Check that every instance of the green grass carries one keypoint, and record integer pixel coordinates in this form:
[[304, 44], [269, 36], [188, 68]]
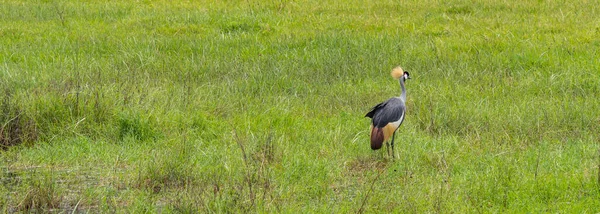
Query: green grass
[[252, 106]]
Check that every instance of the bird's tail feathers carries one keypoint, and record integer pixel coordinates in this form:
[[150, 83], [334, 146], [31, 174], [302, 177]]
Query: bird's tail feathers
[[376, 138]]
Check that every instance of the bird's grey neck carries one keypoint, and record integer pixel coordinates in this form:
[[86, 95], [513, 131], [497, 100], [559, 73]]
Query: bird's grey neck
[[403, 94]]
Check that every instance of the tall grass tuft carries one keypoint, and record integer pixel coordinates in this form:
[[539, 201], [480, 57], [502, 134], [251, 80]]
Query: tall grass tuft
[[137, 127], [16, 127], [42, 195]]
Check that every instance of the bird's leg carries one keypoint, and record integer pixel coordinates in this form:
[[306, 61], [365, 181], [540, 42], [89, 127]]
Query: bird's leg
[[393, 153], [387, 146]]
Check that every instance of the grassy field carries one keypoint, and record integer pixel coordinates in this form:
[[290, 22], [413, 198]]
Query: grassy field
[[254, 106]]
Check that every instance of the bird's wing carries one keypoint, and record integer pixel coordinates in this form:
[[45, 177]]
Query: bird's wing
[[389, 111], [374, 109]]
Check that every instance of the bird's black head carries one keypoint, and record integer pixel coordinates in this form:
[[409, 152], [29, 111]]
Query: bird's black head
[[406, 75]]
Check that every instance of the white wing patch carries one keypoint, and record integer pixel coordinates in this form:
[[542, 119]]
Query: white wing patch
[[399, 121]]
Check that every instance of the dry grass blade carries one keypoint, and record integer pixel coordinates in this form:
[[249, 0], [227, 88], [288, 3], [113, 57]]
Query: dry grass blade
[[364, 201]]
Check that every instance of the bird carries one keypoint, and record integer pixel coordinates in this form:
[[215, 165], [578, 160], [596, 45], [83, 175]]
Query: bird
[[387, 116]]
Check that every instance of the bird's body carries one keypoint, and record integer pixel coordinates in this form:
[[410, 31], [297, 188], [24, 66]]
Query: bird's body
[[389, 115], [386, 118]]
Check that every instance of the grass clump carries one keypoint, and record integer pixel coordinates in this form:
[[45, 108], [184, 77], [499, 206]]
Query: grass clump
[[137, 127], [172, 170], [15, 125], [164, 175], [42, 195]]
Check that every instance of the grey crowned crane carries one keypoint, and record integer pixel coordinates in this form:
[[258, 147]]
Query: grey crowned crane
[[388, 116]]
